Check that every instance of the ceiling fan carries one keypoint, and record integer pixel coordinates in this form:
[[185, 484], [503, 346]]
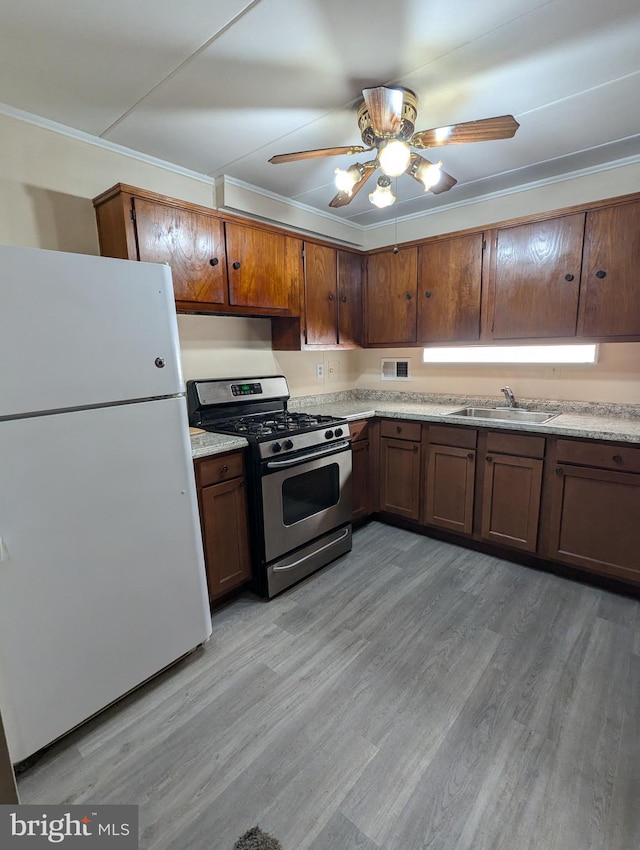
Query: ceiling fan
[[386, 119]]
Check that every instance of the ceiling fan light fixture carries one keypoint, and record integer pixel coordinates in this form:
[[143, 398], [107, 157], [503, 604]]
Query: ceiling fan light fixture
[[429, 174], [394, 157], [382, 196], [347, 179]]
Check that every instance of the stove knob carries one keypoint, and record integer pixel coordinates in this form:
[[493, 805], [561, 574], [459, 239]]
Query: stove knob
[[328, 434], [338, 432], [287, 444], [276, 447]]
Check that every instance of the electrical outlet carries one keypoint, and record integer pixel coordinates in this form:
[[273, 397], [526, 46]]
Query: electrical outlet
[[320, 371]]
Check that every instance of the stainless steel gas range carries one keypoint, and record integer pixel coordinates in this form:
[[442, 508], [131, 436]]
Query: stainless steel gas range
[[299, 475]]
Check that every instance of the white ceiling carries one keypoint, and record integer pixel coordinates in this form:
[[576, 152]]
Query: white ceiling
[[219, 87]]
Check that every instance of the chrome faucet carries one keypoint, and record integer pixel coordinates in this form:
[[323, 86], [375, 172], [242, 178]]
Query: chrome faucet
[[509, 396]]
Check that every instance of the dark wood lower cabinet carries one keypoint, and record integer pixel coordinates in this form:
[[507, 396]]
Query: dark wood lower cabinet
[[595, 520], [511, 501], [223, 519], [400, 477], [361, 479], [449, 488]]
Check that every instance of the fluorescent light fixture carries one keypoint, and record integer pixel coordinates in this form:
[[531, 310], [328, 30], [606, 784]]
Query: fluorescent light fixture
[[512, 354]]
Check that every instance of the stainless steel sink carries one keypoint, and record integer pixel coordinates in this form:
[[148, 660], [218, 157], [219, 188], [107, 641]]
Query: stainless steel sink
[[505, 414]]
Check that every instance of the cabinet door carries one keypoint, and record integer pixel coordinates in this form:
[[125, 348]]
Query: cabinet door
[[537, 278], [360, 480], [321, 288], [450, 487], [392, 281], [449, 286], [349, 299], [511, 501], [256, 268], [400, 477], [610, 296], [225, 533], [191, 243], [594, 520]]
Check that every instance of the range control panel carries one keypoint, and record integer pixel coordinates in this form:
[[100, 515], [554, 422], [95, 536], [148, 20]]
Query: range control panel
[[246, 389]]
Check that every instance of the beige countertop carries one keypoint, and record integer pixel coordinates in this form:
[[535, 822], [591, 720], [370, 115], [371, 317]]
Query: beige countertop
[[589, 426]]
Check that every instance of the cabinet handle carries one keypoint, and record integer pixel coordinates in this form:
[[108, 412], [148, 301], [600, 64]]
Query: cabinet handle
[[427, 294], [489, 459], [559, 471], [214, 261], [330, 296], [408, 296], [471, 455], [568, 277], [224, 469], [236, 265], [398, 429], [344, 299], [617, 458], [601, 273]]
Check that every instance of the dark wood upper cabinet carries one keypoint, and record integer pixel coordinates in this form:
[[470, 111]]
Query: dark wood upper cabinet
[[350, 307], [536, 279], [191, 243], [392, 282], [610, 298], [321, 294], [449, 289], [256, 268]]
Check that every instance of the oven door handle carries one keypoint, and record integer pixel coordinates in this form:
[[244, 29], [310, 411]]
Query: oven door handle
[[298, 459], [315, 552]]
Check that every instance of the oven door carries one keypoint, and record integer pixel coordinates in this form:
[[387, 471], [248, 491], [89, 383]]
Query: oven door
[[305, 497]]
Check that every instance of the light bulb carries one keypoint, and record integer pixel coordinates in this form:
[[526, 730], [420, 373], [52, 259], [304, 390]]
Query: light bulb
[[382, 196], [394, 158], [346, 180], [429, 174]]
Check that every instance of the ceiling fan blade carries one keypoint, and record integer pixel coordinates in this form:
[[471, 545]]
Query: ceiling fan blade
[[484, 130], [445, 181], [344, 198], [385, 109], [293, 157]]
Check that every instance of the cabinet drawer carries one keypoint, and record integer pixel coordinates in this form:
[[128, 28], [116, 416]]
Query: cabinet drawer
[[212, 470], [599, 454], [446, 435], [401, 430], [515, 444], [359, 430]]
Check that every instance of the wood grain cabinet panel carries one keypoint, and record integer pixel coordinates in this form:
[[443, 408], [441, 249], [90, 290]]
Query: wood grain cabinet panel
[[223, 520], [321, 294], [610, 294], [391, 312], [536, 279], [400, 477], [350, 306], [511, 501], [449, 488], [449, 289], [256, 268], [361, 479]]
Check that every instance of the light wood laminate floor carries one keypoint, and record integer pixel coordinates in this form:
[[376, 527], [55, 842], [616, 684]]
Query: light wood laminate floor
[[411, 695]]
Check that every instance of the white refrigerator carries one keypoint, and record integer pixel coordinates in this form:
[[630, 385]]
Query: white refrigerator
[[102, 581]]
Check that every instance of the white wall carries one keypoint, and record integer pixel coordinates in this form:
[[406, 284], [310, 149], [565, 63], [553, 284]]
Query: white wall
[[47, 181]]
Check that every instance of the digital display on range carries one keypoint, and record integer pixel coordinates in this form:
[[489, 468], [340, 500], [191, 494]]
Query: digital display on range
[[246, 389]]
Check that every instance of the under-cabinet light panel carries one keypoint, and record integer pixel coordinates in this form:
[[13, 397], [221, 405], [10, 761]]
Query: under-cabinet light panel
[[513, 354]]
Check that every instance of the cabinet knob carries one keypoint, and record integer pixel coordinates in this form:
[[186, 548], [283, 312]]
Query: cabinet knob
[[617, 458], [330, 296], [415, 448], [471, 455], [559, 471], [214, 261], [224, 469], [398, 429], [427, 294], [489, 459], [601, 273], [568, 277], [344, 299], [408, 296], [236, 265]]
